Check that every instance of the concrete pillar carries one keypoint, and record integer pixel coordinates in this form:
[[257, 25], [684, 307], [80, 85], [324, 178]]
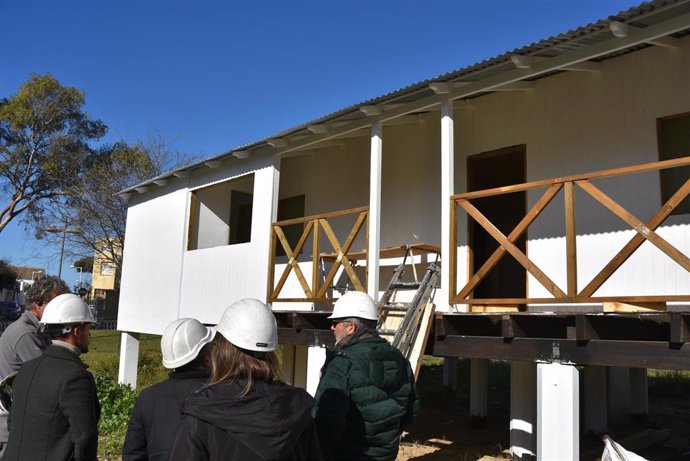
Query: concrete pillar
[[479, 392], [299, 376], [618, 392], [558, 412], [595, 405], [450, 372], [523, 410], [374, 210], [129, 359], [316, 356], [639, 398], [447, 189], [288, 363]]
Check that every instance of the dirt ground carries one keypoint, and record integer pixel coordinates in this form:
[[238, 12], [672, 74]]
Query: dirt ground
[[442, 430]]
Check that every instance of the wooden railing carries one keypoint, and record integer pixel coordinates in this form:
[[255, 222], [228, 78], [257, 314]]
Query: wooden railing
[[507, 243], [317, 290]]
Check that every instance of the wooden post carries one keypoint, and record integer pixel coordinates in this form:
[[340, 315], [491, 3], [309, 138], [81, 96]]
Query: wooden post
[[448, 244], [374, 210], [570, 239], [315, 259]]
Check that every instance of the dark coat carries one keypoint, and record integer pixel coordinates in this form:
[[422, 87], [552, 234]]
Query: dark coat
[[156, 413], [365, 397], [271, 422], [54, 411]]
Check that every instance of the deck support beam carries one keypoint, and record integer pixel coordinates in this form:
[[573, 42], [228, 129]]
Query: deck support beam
[[447, 189], [129, 359], [450, 373], [596, 420], [618, 392], [374, 210], [523, 410], [479, 392], [287, 364], [639, 397], [558, 412]]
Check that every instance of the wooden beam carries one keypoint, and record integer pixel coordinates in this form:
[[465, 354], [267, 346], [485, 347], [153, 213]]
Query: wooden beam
[[514, 251], [570, 239], [637, 240], [641, 168], [680, 331], [584, 330], [627, 217], [520, 229]]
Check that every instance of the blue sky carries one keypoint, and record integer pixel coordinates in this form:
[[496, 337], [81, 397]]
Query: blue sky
[[212, 75]]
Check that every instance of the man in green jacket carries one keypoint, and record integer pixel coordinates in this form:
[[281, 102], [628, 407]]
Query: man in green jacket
[[366, 395]]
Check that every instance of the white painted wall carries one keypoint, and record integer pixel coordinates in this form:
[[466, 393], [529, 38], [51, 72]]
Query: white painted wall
[[152, 262]]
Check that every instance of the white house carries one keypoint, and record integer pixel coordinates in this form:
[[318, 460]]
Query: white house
[[592, 126]]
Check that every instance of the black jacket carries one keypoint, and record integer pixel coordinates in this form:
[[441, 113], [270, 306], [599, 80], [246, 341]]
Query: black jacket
[[158, 410], [271, 422], [54, 411]]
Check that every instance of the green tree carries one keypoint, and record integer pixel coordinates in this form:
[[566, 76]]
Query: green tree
[[91, 208], [85, 263], [44, 146]]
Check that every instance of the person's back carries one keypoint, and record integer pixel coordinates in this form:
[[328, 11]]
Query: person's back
[[158, 409], [40, 428], [246, 412], [21, 341], [271, 422], [366, 395], [374, 382]]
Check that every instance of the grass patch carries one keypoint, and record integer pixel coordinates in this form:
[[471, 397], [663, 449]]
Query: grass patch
[[118, 400]]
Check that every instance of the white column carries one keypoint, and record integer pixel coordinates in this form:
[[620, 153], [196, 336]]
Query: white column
[[265, 211], [299, 377], [129, 359], [618, 392], [639, 398], [523, 410], [479, 391], [316, 356], [288, 363], [558, 412], [374, 210], [450, 371], [447, 189], [596, 419]]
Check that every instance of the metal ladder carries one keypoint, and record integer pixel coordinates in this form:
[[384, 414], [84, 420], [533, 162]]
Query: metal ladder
[[405, 335]]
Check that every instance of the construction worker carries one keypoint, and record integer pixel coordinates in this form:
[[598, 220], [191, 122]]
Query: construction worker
[[246, 412], [55, 409], [366, 395], [185, 345], [25, 338]]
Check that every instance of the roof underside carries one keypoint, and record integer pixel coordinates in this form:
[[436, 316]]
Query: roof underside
[[649, 15]]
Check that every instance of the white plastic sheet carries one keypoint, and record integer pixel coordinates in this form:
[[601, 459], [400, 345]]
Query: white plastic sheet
[[615, 452]]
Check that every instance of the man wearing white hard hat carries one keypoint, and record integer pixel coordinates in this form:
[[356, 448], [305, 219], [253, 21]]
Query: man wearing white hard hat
[[55, 409], [246, 413], [185, 346], [366, 395]]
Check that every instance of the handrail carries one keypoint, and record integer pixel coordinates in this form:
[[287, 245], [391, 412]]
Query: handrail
[[645, 232], [315, 224]]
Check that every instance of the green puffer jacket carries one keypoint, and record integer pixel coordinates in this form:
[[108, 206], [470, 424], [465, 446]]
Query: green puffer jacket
[[365, 397]]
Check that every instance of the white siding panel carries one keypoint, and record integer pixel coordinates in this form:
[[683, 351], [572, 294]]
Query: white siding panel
[[216, 277], [152, 263]]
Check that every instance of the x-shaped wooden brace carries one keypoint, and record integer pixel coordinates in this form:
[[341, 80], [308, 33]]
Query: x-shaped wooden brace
[[644, 232], [507, 244], [341, 258], [520, 229], [292, 259]]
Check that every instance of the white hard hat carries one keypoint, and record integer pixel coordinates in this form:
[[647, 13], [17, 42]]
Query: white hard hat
[[355, 304], [182, 340], [67, 309], [249, 324]]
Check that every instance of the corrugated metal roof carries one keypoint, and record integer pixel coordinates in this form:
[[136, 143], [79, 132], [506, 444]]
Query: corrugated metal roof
[[644, 15]]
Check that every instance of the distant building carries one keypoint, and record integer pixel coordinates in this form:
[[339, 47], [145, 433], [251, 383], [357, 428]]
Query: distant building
[[104, 286]]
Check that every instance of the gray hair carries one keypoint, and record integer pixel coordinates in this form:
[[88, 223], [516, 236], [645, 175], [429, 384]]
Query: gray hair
[[364, 326], [43, 290]]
